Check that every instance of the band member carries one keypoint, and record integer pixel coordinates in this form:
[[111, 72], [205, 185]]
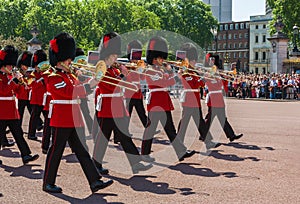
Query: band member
[[9, 115], [66, 120], [22, 92], [38, 89], [46, 70], [216, 108], [190, 95], [159, 104], [111, 111], [84, 101]]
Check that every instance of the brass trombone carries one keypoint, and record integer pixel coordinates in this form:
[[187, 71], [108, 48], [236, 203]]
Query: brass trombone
[[99, 72], [140, 68]]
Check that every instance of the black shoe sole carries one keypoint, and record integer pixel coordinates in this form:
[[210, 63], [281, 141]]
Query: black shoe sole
[[106, 184]]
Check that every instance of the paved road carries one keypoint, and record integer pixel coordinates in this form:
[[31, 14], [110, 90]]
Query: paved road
[[261, 167]]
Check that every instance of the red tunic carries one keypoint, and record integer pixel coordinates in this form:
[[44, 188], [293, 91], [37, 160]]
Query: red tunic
[[65, 86], [110, 107], [159, 100], [38, 88], [215, 93], [8, 110], [22, 90], [191, 83], [134, 78]]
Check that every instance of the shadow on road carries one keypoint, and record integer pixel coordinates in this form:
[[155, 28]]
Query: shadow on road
[[93, 198], [25, 171], [140, 183], [230, 157], [246, 146]]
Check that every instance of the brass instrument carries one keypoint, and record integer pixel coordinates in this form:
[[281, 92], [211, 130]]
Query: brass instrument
[[99, 71], [140, 68]]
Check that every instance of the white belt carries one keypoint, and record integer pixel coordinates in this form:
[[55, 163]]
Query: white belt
[[135, 82], [100, 96], [7, 98], [148, 94], [45, 97], [212, 92], [183, 94], [52, 102]]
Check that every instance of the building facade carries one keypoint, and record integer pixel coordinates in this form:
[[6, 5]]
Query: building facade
[[221, 9], [232, 45], [259, 45]]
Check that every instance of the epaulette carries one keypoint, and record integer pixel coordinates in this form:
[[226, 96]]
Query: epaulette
[[54, 74]]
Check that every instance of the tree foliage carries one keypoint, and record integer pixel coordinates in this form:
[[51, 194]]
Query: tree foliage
[[88, 20], [289, 11]]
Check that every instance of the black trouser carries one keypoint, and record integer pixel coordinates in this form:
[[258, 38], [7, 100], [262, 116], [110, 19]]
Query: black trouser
[[21, 108], [86, 114], [46, 133], [17, 132], [187, 114], [220, 114], [74, 137], [34, 118], [107, 125], [95, 127], [139, 107], [166, 120]]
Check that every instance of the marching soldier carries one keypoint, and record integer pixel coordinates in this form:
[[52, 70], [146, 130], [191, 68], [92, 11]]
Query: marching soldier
[[9, 116], [38, 89], [190, 95], [111, 111], [216, 108], [66, 120], [159, 104]]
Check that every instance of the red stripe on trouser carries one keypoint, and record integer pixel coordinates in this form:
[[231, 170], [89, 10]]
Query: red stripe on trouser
[[50, 155]]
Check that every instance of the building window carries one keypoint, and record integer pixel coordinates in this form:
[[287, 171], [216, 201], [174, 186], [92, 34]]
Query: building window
[[240, 45], [229, 36], [242, 25], [256, 27], [240, 54], [219, 37], [219, 46], [229, 46], [224, 36], [256, 39], [264, 56], [247, 25], [221, 27], [264, 26], [246, 45], [235, 36], [235, 45], [256, 55], [231, 26], [237, 26], [246, 55], [264, 38], [234, 55], [224, 46], [226, 26], [246, 35], [240, 35]]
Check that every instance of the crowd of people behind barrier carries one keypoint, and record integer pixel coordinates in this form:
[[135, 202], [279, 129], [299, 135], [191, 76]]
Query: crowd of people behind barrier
[[272, 86]]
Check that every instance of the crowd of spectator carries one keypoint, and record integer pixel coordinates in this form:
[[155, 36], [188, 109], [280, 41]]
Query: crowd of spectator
[[272, 86]]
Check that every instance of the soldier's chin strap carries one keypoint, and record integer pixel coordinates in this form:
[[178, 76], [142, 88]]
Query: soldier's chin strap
[[68, 68]]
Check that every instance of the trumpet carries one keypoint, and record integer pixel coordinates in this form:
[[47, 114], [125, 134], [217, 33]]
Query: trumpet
[[99, 72], [140, 68]]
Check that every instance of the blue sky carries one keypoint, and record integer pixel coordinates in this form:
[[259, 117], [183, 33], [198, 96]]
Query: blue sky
[[243, 9]]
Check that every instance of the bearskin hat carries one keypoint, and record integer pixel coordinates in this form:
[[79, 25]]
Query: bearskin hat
[[62, 47], [191, 51], [24, 59], [110, 44], [135, 44], [8, 55], [38, 57], [157, 47]]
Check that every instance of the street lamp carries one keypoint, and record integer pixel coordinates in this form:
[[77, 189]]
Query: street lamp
[[214, 31], [295, 33]]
